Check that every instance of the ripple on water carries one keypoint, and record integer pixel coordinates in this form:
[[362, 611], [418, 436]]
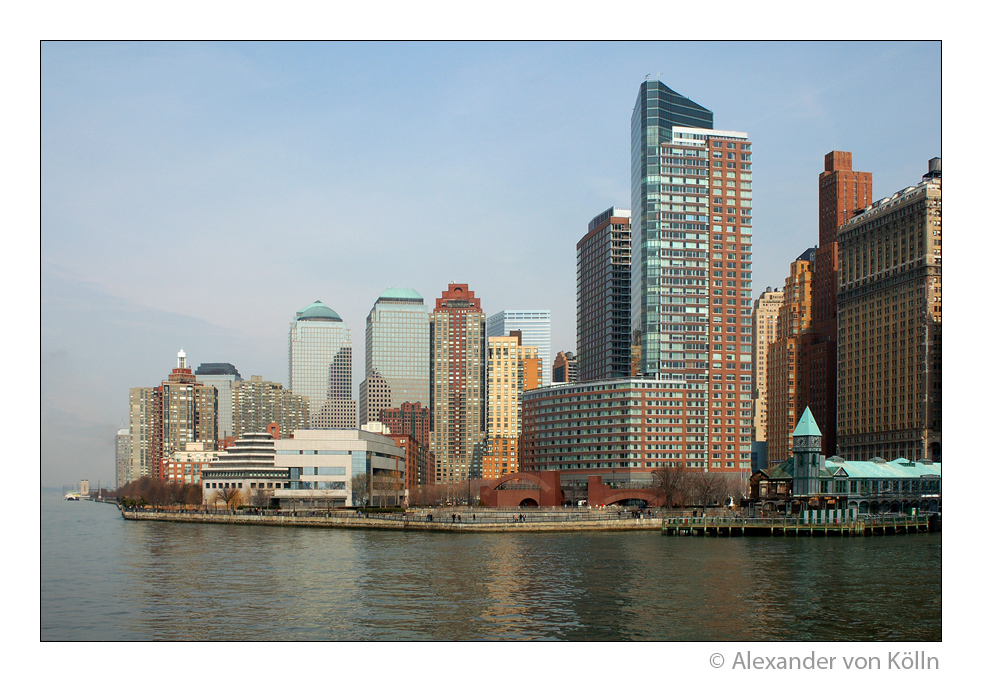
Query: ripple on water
[[103, 578]]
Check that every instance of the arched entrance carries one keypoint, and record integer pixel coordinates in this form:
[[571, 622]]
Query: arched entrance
[[524, 489], [630, 502]]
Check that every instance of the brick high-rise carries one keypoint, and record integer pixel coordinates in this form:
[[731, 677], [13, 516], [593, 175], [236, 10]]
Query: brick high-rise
[[457, 383], [691, 264], [842, 192], [409, 418], [184, 411]]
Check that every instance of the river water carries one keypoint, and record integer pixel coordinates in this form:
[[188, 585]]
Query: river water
[[103, 578]]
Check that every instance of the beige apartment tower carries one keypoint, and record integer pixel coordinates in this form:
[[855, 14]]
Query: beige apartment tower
[[764, 331], [257, 403], [889, 326], [512, 369]]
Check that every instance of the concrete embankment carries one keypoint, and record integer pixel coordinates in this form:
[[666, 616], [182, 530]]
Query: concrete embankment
[[493, 522]]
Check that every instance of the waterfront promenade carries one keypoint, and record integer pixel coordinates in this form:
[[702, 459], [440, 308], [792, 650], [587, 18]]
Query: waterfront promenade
[[523, 520], [446, 520]]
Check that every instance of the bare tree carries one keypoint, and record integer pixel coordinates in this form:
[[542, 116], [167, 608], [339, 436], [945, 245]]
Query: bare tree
[[174, 493], [387, 485], [359, 489], [735, 486], [155, 493], [193, 494], [261, 497], [229, 496], [674, 484], [709, 487]]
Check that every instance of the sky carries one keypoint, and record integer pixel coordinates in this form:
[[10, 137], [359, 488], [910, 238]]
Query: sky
[[197, 195]]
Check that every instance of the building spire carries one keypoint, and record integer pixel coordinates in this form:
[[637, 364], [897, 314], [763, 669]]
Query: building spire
[[182, 359]]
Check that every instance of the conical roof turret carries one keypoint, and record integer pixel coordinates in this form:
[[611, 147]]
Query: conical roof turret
[[807, 425]]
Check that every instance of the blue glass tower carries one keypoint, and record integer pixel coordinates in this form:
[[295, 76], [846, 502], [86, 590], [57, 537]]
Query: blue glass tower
[[662, 213]]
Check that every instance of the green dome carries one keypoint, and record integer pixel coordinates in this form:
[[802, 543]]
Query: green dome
[[318, 311]]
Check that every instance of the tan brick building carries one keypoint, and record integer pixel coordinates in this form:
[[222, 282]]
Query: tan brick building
[[784, 358], [512, 369], [889, 326], [764, 331]]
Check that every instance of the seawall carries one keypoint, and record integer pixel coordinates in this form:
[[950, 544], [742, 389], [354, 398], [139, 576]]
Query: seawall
[[419, 521]]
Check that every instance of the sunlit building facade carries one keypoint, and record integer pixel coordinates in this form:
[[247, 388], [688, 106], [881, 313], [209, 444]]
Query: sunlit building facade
[[565, 368], [184, 411], [622, 429], [794, 320], [142, 424], [512, 368], [457, 383], [889, 353], [764, 332], [842, 192]]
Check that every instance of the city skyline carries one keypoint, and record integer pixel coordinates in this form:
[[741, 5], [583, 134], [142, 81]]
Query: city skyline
[[263, 161]]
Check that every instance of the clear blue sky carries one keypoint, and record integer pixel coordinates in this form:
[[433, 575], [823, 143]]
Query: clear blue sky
[[196, 195]]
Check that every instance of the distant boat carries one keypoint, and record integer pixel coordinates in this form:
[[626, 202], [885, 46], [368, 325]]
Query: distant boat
[[72, 497]]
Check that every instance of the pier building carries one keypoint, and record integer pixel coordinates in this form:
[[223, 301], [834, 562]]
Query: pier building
[[809, 480]]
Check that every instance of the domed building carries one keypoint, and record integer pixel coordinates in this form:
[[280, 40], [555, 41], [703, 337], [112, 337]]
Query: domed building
[[320, 366]]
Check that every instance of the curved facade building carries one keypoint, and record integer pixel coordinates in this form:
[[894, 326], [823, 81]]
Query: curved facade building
[[320, 366], [248, 465]]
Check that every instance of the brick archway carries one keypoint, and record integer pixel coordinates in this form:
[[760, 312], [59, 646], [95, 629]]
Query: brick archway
[[600, 494], [544, 490], [650, 497]]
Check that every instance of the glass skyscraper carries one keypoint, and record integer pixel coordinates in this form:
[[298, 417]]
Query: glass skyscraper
[[666, 216], [320, 366], [536, 328], [691, 265], [397, 354]]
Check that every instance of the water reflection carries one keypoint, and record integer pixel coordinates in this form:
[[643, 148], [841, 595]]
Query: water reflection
[[103, 578]]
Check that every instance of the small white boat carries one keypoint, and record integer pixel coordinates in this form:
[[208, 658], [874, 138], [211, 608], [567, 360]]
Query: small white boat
[[72, 497]]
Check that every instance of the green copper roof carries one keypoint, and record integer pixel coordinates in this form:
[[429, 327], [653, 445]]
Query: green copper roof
[[806, 425], [402, 294], [318, 311]]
